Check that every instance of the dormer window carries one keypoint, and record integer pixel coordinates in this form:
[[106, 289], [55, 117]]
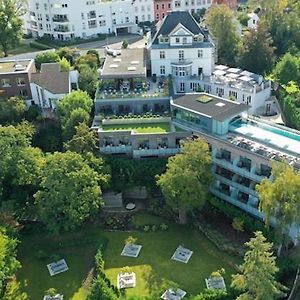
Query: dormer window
[[163, 40]]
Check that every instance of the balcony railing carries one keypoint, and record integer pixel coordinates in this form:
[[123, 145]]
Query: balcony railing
[[60, 20], [62, 29]]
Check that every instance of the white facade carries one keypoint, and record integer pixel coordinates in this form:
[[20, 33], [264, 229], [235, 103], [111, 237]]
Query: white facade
[[66, 19], [44, 98], [181, 54], [192, 6], [143, 10], [253, 20]]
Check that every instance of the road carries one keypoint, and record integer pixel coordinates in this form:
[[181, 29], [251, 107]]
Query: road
[[114, 42]]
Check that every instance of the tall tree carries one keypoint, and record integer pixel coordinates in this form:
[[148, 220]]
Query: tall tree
[[185, 184], [84, 141], [287, 69], [69, 192], [75, 100], [220, 21], [280, 198], [10, 23], [78, 116], [88, 79], [8, 262], [46, 57], [101, 290], [256, 279], [257, 53], [12, 110]]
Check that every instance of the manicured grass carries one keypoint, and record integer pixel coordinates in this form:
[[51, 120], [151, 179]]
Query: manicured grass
[[140, 128], [154, 268]]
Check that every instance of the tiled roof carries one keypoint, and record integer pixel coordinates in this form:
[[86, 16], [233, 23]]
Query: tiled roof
[[52, 79]]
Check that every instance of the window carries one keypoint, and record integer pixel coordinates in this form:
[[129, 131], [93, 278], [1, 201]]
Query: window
[[200, 53], [157, 16], [5, 82], [233, 94], [162, 70], [177, 40], [162, 54], [114, 21], [248, 99], [177, 3], [163, 6], [169, 5], [20, 81], [181, 55], [24, 93], [157, 6], [102, 23], [184, 40], [92, 24], [163, 15], [220, 91]]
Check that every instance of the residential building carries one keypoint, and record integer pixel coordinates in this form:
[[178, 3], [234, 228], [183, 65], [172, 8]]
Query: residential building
[[162, 8], [243, 147], [51, 84], [232, 83], [143, 11], [230, 3], [15, 76], [253, 20], [181, 48], [67, 19], [194, 7], [184, 50]]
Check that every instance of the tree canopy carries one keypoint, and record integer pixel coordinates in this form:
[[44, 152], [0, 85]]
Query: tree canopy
[[12, 110], [10, 23], [280, 198], [257, 53], [46, 57], [69, 191], [256, 279], [220, 21], [185, 184]]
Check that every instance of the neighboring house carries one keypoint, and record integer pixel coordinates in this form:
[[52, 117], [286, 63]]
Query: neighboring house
[[161, 8], [253, 20], [70, 19], [51, 84], [143, 11], [15, 76], [230, 3], [181, 48], [194, 7]]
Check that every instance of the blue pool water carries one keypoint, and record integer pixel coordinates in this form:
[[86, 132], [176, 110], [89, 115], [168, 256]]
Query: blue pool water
[[270, 135]]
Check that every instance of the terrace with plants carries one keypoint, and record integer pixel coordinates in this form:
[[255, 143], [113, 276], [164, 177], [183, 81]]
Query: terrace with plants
[[139, 88]]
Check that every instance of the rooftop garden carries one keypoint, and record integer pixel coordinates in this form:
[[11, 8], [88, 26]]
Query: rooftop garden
[[140, 127]]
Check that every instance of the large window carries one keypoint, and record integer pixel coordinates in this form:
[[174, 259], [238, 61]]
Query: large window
[[200, 53], [5, 82], [162, 70], [162, 54], [20, 81]]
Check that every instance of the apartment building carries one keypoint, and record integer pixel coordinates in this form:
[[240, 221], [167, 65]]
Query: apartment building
[[181, 48], [194, 7], [243, 147], [15, 78], [143, 11], [67, 19], [162, 8]]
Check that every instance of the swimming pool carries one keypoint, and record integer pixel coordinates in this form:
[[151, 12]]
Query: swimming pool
[[270, 135]]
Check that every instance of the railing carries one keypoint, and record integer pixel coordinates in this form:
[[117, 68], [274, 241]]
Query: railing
[[62, 29], [153, 152], [116, 149], [60, 20]]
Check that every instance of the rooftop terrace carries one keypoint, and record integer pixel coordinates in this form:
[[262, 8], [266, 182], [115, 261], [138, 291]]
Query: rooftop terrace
[[13, 66]]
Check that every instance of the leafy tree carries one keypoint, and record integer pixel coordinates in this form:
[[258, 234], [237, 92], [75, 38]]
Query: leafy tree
[[186, 182], [69, 54], [83, 141], [13, 291], [88, 79], [280, 198], [287, 69], [125, 44], [10, 23], [96, 54], [256, 279], [72, 101], [90, 59], [243, 18], [69, 192], [101, 290], [46, 57], [220, 21], [33, 113], [64, 65], [8, 262], [78, 116], [257, 53], [12, 110]]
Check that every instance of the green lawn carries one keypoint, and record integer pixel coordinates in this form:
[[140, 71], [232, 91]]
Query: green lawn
[[140, 128], [154, 268]]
